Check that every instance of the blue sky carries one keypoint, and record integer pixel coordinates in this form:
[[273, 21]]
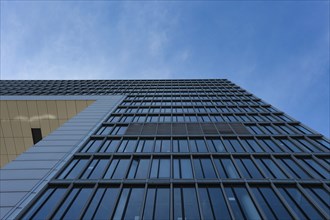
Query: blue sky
[[278, 50]]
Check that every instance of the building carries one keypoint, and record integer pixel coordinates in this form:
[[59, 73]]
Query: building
[[156, 149]]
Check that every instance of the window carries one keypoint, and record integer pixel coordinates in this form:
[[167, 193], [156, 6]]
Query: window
[[248, 168], [92, 146], [198, 145], [213, 203], [182, 169], [180, 146], [226, 168], [157, 204], [104, 130], [73, 203], [36, 135], [145, 145], [185, 204], [270, 203], [293, 169], [73, 169], [95, 169], [160, 168], [299, 204], [117, 169], [109, 146], [163, 145], [240, 201], [45, 204], [204, 168], [102, 204], [139, 169], [127, 146], [270, 168]]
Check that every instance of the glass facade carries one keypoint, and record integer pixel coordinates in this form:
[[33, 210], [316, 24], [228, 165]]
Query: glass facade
[[185, 149]]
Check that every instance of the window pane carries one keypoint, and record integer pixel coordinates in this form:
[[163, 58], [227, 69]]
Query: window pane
[[66, 203], [119, 211], [130, 147], [315, 169], [143, 169], [148, 146], [201, 146], [74, 210], [133, 208], [270, 203], [241, 202], [177, 209], [162, 206], [198, 169], [183, 146], [154, 168], [45, 204], [219, 145], [111, 169], [229, 168], [320, 196], [219, 205], [110, 146], [186, 169], [164, 168], [299, 203], [208, 168], [270, 169], [102, 204], [236, 145], [92, 146], [292, 168], [99, 169], [149, 204], [89, 169], [133, 168], [248, 169], [190, 204], [205, 203], [121, 168], [166, 146], [77, 169]]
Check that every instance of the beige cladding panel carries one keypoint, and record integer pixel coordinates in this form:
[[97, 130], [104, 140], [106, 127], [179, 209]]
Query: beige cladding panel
[[4, 110], [22, 108], [71, 108], [61, 110], [12, 109], [32, 108], [42, 108], [51, 107], [16, 128], [6, 128], [18, 117]]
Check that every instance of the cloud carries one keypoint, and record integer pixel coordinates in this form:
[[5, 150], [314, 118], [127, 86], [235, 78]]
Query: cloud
[[35, 118], [278, 53]]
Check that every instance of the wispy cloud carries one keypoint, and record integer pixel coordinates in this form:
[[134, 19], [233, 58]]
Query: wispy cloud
[[277, 50]]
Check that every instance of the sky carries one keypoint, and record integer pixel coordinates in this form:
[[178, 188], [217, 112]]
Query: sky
[[278, 50]]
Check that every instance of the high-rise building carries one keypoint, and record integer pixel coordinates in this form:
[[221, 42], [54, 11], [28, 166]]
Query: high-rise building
[[156, 149]]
